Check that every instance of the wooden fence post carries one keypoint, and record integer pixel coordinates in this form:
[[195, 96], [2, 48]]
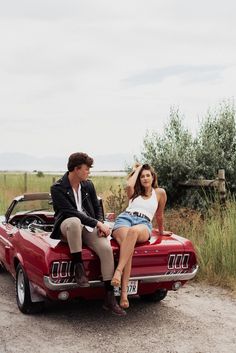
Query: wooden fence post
[[218, 184], [53, 180], [25, 182], [221, 185]]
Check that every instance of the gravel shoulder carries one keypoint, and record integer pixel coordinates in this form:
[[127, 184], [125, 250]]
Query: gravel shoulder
[[196, 319]]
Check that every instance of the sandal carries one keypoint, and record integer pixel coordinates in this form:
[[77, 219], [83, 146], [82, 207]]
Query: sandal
[[116, 279], [124, 302]]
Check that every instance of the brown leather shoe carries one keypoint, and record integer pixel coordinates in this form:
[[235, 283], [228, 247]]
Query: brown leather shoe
[[111, 304], [80, 275]]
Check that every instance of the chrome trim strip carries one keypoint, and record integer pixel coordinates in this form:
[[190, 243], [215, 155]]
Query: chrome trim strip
[[171, 262], [178, 261], [64, 270], [66, 286], [152, 279], [6, 241], [168, 278], [55, 269], [185, 260]]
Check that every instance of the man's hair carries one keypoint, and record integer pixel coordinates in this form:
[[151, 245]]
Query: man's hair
[[77, 159]]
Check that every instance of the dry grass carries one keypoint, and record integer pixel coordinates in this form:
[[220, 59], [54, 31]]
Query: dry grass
[[12, 185], [214, 237], [213, 234]]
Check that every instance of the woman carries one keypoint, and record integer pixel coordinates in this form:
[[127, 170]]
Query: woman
[[134, 224]]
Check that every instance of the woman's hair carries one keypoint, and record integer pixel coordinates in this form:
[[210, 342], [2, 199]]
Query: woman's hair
[[138, 188]]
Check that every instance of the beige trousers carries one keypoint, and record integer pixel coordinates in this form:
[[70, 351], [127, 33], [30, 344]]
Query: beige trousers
[[75, 234]]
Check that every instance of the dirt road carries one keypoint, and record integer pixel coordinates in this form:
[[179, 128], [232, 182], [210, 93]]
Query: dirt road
[[196, 319]]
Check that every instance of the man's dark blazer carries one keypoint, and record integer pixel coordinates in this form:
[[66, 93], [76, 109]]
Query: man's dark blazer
[[65, 206]]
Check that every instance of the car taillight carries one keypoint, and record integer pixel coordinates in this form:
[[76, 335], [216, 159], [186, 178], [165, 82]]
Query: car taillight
[[178, 261], [62, 269]]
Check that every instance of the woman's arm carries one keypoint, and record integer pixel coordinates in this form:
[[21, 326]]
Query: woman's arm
[[162, 198], [132, 180]]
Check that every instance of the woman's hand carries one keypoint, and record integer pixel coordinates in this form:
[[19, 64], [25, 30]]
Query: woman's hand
[[165, 232], [136, 166]]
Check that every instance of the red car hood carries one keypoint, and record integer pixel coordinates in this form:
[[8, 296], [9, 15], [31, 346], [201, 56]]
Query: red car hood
[[157, 244]]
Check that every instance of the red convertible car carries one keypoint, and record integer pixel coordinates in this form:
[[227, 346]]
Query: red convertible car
[[43, 269]]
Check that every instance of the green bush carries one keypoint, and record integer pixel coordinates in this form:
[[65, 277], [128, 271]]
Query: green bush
[[178, 156], [216, 144], [40, 174], [116, 201], [172, 155]]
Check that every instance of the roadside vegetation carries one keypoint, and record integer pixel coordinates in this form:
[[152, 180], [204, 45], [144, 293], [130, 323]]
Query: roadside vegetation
[[197, 213], [193, 213], [110, 188], [177, 155], [213, 232]]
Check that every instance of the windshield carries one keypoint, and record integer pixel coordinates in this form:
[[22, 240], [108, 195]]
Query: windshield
[[32, 206]]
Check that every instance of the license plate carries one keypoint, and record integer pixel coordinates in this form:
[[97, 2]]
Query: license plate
[[132, 288]]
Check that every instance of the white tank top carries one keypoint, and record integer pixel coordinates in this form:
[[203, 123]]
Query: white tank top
[[147, 207]]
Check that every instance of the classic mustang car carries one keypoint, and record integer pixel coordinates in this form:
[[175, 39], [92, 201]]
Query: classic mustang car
[[43, 269]]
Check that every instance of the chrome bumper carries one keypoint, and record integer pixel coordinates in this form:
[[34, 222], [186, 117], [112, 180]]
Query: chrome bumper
[[172, 277]]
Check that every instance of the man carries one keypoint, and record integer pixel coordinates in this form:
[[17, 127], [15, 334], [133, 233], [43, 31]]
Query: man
[[78, 219]]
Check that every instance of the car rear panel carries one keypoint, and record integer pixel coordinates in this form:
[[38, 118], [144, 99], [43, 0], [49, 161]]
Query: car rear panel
[[160, 256]]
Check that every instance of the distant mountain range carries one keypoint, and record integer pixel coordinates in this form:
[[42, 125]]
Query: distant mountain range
[[25, 162]]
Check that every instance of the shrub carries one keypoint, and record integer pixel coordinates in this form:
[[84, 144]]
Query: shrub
[[40, 174], [116, 200], [216, 144], [172, 155], [177, 156]]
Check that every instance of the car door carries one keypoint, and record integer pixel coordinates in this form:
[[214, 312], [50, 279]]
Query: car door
[[7, 232]]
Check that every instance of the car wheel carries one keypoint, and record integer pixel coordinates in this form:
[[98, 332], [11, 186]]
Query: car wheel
[[157, 296], [23, 297]]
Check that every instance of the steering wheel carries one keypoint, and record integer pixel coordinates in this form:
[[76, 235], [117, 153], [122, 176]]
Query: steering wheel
[[25, 221]]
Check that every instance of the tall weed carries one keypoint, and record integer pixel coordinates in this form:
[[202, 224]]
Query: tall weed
[[214, 237]]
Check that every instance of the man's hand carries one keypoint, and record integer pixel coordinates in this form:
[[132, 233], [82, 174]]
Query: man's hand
[[103, 229], [101, 234]]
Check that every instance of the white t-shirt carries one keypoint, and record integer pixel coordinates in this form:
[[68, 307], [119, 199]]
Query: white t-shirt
[[147, 207], [78, 200]]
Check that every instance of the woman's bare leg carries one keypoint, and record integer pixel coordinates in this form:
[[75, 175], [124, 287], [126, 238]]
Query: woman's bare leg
[[120, 235], [124, 303], [135, 234]]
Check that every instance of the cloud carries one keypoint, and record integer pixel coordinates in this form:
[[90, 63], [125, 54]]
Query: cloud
[[39, 9], [189, 73], [95, 75]]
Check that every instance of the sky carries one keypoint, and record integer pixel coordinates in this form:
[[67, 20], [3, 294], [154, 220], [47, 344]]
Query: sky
[[96, 75]]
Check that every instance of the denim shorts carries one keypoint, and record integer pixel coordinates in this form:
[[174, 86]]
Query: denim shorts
[[127, 220]]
